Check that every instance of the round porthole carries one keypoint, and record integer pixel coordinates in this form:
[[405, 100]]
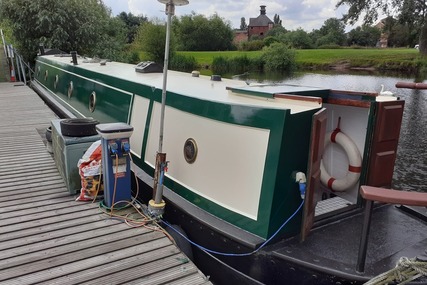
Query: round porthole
[[46, 74], [92, 102], [55, 83], [190, 150], [70, 89]]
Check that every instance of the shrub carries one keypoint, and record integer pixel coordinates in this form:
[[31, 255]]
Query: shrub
[[183, 63], [278, 57]]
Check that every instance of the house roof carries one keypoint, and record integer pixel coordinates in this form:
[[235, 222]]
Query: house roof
[[260, 21]]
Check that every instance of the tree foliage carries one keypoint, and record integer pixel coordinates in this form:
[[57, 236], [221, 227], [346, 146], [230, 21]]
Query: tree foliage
[[151, 38], [277, 21], [278, 57], [243, 25], [365, 35], [198, 33], [411, 13], [332, 32], [299, 39], [81, 25], [132, 23]]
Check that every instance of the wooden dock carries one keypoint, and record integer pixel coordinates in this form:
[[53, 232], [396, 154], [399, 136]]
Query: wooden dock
[[46, 237]]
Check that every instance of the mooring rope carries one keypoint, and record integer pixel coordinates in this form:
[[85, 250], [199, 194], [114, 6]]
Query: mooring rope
[[406, 270]]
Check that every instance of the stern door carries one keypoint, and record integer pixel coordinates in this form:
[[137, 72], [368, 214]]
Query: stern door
[[384, 143], [313, 170]]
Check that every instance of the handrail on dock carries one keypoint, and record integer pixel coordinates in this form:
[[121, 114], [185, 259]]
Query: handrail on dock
[[382, 195]]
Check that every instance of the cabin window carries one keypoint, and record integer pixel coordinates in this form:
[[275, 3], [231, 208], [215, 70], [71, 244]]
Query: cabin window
[[92, 102], [190, 150], [70, 89], [46, 74]]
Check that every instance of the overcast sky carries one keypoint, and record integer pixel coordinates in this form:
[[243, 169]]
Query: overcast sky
[[305, 14]]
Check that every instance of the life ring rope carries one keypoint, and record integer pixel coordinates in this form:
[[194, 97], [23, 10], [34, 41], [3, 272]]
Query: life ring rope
[[354, 167]]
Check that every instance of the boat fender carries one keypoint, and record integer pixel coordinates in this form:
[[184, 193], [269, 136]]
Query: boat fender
[[354, 167]]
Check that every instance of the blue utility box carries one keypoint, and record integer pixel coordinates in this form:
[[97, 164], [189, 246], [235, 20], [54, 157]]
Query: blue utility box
[[116, 162]]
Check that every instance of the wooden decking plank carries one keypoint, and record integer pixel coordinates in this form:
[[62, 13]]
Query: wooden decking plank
[[56, 182], [176, 274], [47, 214], [27, 192], [59, 257], [40, 174], [50, 235], [91, 268], [46, 237], [72, 222], [18, 207], [115, 265], [47, 221], [35, 199], [40, 209], [65, 246], [130, 274]]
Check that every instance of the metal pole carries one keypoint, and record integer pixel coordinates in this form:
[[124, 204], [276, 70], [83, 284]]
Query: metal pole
[[23, 70], [169, 11], [18, 67], [156, 205]]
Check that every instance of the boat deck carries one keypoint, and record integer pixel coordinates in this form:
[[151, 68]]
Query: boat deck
[[47, 237], [395, 233]]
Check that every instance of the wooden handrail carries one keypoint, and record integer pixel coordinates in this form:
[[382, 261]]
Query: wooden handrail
[[391, 196]]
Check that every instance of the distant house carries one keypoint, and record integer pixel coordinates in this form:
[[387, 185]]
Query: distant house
[[240, 36], [260, 25], [383, 41]]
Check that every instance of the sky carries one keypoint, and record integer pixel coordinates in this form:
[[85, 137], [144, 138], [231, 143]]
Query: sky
[[305, 14]]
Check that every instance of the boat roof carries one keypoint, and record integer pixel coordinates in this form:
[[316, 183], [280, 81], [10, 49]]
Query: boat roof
[[229, 91]]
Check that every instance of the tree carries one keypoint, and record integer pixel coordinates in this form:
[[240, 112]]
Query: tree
[[81, 25], [278, 57], [277, 21], [411, 12], [132, 23], [198, 33], [364, 36], [333, 32], [243, 25], [299, 39], [151, 38]]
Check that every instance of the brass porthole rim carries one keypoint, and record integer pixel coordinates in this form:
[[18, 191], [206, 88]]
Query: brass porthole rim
[[55, 83], [70, 89], [191, 159], [92, 102]]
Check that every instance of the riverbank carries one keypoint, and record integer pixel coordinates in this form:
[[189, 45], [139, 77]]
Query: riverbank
[[389, 59]]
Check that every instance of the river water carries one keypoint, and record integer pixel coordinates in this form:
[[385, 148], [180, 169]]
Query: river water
[[411, 164]]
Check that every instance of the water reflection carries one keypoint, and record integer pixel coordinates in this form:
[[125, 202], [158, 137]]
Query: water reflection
[[411, 164]]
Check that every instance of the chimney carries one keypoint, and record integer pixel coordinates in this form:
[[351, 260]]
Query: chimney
[[262, 9]]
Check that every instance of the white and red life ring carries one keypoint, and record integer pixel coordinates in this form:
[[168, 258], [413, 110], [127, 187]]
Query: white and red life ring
[[354, 167]]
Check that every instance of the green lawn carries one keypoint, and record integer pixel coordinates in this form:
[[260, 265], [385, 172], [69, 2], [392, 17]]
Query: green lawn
[[374, 57]]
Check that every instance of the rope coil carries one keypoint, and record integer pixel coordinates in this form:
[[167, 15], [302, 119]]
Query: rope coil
[[406, 270]]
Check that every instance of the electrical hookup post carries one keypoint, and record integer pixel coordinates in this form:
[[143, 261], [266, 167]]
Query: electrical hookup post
[[115, 142]]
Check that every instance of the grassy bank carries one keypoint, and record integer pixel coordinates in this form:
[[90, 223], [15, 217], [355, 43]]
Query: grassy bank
[[381, 59]]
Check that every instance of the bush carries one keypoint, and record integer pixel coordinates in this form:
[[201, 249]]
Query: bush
[[183, 63], [236, 65], [252, 45], [278, 57]]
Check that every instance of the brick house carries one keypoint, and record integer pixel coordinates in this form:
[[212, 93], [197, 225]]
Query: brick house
[[260, 25]]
